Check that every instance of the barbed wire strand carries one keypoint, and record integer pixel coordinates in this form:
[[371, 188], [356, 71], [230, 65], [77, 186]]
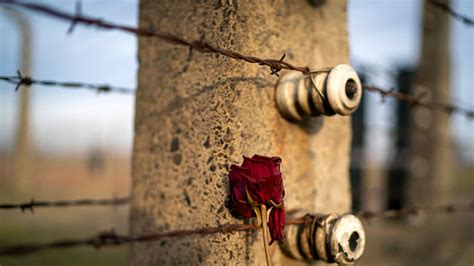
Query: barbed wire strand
[[20, 80], [418, 101], [32, 204], [413, 100], [116, 201], [275, 65], [449, 208], [456, 15], [370, 70], [111, 238]]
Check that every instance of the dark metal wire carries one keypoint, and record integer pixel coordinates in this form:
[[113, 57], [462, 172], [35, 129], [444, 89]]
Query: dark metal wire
[[275, 65], [456, 15], [415, 101], [418, 101], [32, 204], [110, 238], [20, 80], [410, 211]]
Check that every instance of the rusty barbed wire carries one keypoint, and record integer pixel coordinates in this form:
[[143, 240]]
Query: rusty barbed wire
[[275, 65], [368, 69], [410, 211], [456, 15], [32, 204], [415, 101], [111, 238], [20, 80], [418, 101], [116, 201], [398, 189]]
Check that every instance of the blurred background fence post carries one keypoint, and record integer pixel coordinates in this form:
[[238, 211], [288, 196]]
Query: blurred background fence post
[[23, 148], [198, 113], [431, 164]]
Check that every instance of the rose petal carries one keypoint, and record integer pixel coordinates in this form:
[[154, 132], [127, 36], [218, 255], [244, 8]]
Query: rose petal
[[270, 188], [272, 162], [276, 224], [238, 179], [258, 169]]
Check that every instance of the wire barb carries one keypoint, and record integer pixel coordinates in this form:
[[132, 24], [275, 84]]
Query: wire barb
[[30, 205], [110, 238], [275, 65], [78, 14], [28, 81], [448, 9]]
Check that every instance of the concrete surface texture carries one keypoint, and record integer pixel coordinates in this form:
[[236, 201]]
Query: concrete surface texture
[[196, 114]]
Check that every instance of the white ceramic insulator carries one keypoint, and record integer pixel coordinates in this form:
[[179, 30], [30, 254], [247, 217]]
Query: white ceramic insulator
[[336, 89], [329, 237], [321, 93], [287, 94], [343, 251]]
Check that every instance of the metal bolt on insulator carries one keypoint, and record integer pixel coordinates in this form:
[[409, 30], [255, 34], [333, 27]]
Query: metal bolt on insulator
[[335, 91], [327, 237]]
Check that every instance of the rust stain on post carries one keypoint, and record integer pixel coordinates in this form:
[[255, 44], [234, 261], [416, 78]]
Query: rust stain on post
[[196, 114]]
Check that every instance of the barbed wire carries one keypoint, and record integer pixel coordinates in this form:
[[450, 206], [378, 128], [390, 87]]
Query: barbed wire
[[20, 80], [275, 65], [116, 201], [418, 101], [415, 101], [456, 15], [32, 204], [371, 70], [411, 211], [202, 46], [398, 189], [111, 238]]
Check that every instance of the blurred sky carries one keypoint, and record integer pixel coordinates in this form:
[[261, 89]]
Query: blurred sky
[[383, 34]]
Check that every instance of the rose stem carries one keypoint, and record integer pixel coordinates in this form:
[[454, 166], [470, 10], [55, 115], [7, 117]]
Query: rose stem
[[263, 210]]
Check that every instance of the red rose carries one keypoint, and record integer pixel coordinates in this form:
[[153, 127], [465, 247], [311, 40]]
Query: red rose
[[258, 182]]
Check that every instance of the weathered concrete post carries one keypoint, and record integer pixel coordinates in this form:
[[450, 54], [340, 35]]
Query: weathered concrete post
[[198, 113]]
